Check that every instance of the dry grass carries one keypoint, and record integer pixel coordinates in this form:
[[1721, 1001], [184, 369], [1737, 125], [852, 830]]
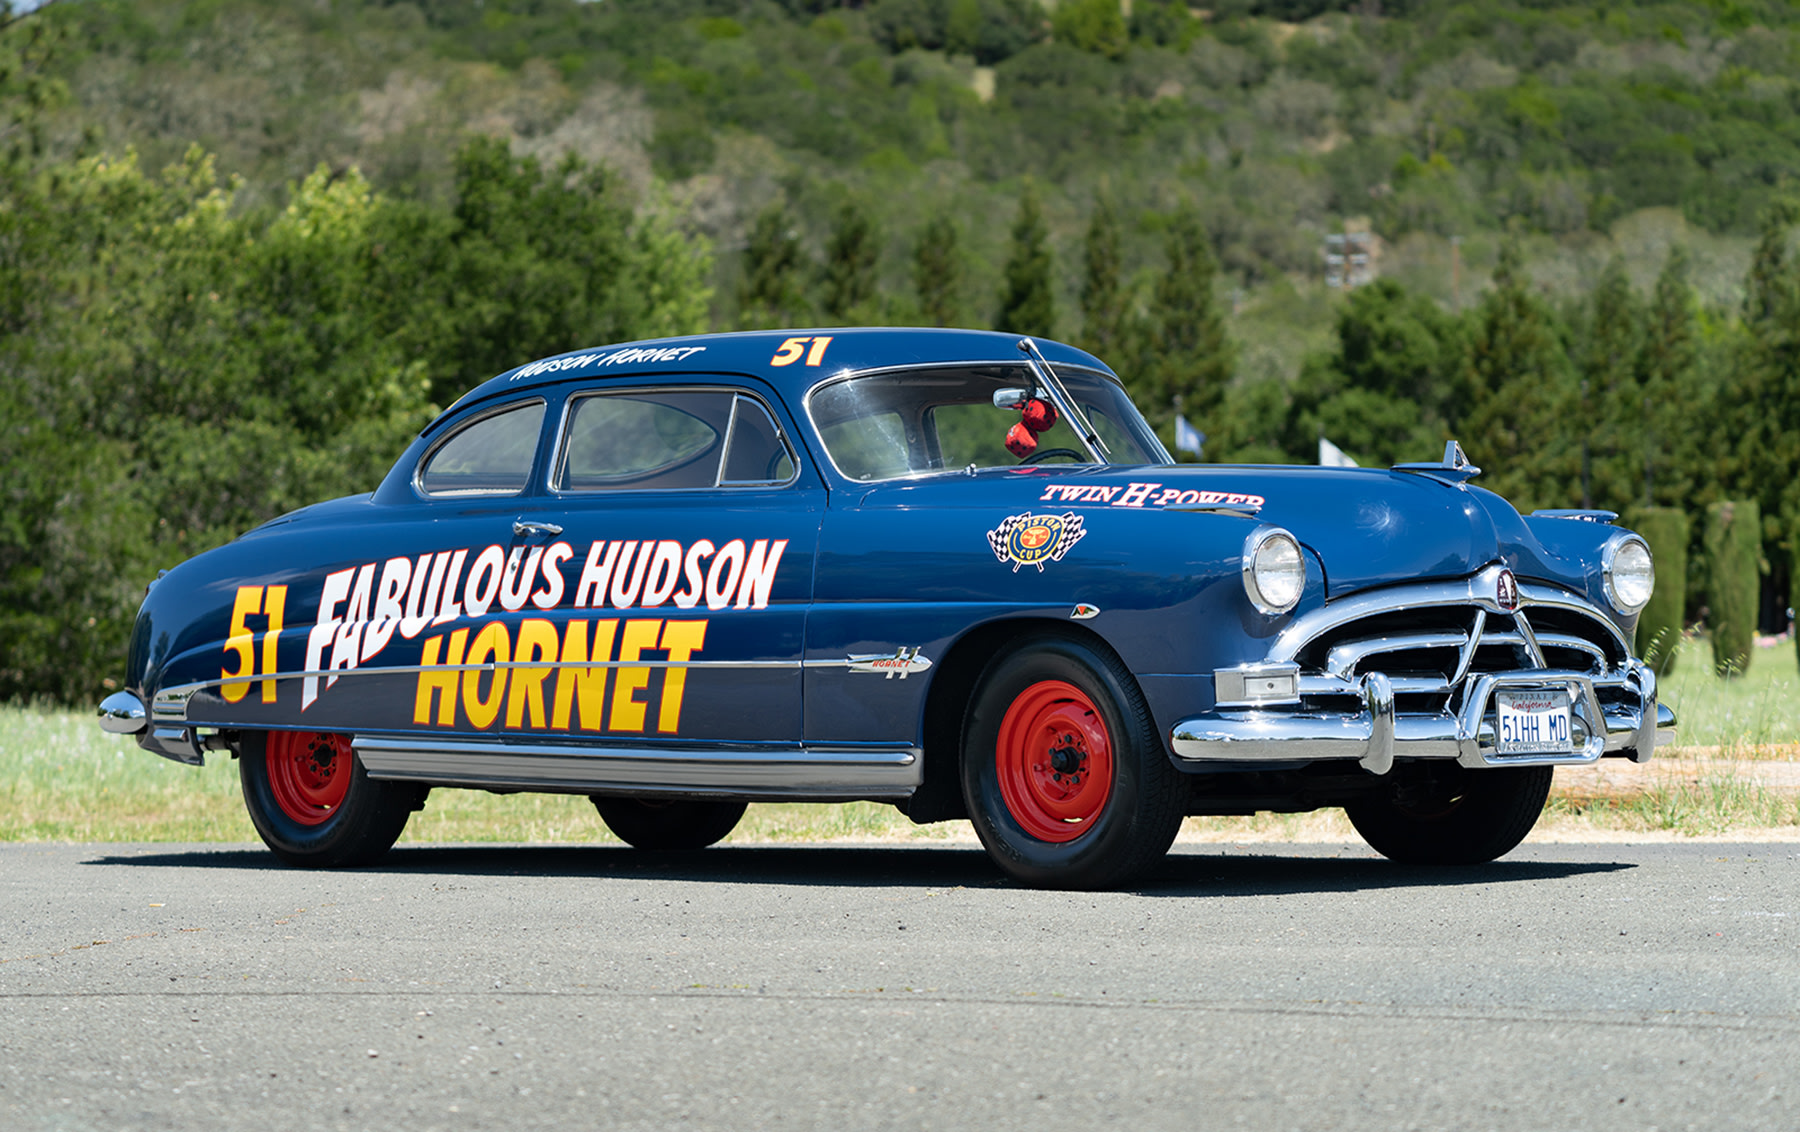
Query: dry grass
[[63, 779]]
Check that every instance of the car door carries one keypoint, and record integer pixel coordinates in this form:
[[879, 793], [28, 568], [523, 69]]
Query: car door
[[671, 568]]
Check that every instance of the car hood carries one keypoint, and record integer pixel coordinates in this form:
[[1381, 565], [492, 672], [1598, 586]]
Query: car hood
[[1368, 527]]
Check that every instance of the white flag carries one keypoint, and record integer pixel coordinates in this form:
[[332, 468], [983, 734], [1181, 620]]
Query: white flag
[[1331, 456], [1187, 437]]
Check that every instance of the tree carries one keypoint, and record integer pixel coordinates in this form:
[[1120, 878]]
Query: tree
[[1763, 409], [1190, 358], [1091, 25], [1104, 302], [1389, 392], [1668, 390], [850, 261], [1607, 394], [538, 261], [770, 293], [1733, 543], [1523, 394], [1027, 301], [937, 273]]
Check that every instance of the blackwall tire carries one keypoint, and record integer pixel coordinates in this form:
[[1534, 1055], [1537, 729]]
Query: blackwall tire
[[1064, 775], [671, 826], [313, 803], [1467, 817]]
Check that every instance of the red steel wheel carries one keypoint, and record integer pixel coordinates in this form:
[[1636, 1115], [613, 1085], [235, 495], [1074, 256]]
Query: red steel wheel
[[1055, 761], [1065, 777], [309, 773]]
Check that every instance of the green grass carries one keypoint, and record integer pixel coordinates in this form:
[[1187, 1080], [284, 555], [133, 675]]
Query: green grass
[[1715, 802], [63, 779], [1742, 714]]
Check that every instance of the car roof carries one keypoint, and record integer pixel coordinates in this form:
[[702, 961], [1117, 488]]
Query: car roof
[[751, 353]]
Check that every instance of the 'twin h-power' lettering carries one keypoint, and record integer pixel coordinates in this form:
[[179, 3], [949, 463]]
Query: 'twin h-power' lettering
[[362, 607]]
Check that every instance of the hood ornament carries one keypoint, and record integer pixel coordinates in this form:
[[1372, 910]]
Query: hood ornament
[[1506, 592], [1454, 469]]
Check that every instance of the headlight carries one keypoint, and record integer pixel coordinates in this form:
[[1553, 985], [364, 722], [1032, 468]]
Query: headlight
[[1274, 571], [1630, 574]]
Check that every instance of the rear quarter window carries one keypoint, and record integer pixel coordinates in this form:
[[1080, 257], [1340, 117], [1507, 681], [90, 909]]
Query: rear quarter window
[[490, 455]]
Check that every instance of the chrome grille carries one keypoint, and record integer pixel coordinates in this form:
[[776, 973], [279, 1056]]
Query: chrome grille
[[1430, 639]]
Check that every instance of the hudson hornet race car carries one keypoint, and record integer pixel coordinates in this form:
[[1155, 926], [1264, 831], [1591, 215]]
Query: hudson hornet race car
[[954, 571]]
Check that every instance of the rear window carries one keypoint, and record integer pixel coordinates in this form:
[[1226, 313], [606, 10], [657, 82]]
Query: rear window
[[491, 455]]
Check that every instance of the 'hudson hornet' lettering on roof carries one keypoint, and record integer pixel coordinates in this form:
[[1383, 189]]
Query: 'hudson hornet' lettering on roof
[[636, 355]]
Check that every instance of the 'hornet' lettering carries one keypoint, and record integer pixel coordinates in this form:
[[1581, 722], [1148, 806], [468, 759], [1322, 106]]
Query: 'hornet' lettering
[[586, 680], [363, 608]]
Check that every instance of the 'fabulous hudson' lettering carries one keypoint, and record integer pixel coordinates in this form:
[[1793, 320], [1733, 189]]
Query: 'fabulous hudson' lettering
[[363, 608]]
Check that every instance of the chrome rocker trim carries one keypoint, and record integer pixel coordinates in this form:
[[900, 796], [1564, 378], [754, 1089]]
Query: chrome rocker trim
[[813, 773]]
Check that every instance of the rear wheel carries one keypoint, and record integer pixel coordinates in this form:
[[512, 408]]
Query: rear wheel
[[1064, 776], [1453, 815], [672, 825], [313, 803]]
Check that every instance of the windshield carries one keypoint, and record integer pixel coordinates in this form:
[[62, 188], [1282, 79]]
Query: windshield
[[888, 425]]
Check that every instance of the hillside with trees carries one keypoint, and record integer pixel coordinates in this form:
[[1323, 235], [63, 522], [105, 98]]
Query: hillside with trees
[[249, 247]]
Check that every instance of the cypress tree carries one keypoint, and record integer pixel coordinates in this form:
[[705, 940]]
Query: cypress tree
[[1667, 387], [937, 273], [1765, 399], [850, 265], [1733, 543], [1607, 391], [1103, 299], [1523, 394], [1027, 303], [1667, 530], [770, 294], [1190, 357]]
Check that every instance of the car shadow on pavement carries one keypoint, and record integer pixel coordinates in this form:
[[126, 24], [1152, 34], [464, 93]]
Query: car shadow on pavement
[[1286, 873], [1208, 873]]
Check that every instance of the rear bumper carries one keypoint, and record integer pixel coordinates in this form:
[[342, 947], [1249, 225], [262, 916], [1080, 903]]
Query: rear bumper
[[1628, 722]]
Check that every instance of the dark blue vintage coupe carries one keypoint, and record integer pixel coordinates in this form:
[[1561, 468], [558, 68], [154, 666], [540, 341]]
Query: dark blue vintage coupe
[[950, 570]]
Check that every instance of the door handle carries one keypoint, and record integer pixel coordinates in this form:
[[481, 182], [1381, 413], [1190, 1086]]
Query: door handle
[[523, 527]]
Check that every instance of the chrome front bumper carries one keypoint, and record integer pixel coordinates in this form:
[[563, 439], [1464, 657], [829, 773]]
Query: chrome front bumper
[[1376, 734]]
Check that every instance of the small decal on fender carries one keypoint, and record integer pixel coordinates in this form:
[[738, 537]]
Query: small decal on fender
[[1084, 612], [903, 663], [1032, 540]]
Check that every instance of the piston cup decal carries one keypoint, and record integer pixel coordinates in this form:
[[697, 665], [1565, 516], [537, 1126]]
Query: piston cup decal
[[1032, 540]]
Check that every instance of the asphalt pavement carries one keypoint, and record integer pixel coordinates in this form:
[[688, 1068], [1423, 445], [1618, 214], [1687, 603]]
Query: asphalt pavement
[[1616, 986]]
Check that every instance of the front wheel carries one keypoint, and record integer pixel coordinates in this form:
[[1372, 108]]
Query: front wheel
[[313, 803], [1064, 775], [668, 826], [1454, 816]]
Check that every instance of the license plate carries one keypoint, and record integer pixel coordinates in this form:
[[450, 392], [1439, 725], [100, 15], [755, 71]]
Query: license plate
[[1532, 722]]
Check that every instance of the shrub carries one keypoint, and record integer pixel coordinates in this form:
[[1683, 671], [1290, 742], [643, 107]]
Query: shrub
[[1733, 546], [1666, 529]]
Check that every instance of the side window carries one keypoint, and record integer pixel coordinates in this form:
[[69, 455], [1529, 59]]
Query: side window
[[491, 455], [756, 453], [639, 441]]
